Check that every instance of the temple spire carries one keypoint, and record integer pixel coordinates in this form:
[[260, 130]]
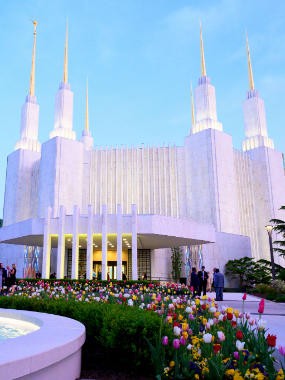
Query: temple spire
[[250, 77], [65, 58], [32, 82], [192, 107], [203, 68], [87, 114]]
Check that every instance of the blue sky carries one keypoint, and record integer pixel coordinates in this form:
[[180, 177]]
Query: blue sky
[[140, 57]]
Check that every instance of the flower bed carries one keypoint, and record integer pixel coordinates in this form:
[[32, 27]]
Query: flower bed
[[188, 338]]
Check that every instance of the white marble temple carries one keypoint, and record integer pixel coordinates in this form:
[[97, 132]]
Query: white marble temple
[[181, 193]]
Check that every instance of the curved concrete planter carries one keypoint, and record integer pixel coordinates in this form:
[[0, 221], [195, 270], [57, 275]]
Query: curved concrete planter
[[51, 352]]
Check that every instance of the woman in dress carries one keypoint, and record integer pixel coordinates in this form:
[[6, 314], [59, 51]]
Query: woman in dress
[[13, 277], [209, 282]]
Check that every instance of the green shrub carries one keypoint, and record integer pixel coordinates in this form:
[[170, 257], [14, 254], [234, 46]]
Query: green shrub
[[119, 328], [280, 298], [270, 296], [262, 288], [255, 291]]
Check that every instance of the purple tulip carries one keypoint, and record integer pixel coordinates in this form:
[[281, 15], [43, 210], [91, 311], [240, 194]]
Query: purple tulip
[[165, 341], [236, 355], [176, 343], [282, 350], [182, 341]]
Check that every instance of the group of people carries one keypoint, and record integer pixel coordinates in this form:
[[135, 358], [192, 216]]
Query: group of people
[[7, 277], [202, 282]]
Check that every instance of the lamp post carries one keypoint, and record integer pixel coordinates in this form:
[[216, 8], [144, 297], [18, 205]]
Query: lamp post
[[269, 229]]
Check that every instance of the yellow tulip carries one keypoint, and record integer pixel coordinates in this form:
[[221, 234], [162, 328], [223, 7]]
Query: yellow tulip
[[197, 301]]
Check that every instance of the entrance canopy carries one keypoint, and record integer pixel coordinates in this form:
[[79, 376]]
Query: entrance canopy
[[153, 232]]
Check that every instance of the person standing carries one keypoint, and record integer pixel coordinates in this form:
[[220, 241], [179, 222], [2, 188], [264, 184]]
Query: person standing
[[194, 282], [13, 277], [209, 282], [2, 276], [213, 283], [219, 285], [203, 276], [8, 277]]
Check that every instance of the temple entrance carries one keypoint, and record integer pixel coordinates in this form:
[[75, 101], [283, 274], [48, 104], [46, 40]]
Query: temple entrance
[[111, 269]]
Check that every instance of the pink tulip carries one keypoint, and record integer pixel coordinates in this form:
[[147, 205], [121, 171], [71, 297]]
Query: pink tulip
[[236, 355], [282, 350], [260, 309], [216, 321], [221, 336], [176, 343], [191, 316], [182, 341], [158, 299], [261, 302], [244, 297], [191, 289], [190, 332], [209, 299], [165, 341], [251, 321], [208, 326], [247, 315]]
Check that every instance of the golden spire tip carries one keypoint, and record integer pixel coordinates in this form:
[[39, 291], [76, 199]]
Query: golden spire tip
[[203, 67], [65, 70], [249, 67], [87, 114], [32, 82]]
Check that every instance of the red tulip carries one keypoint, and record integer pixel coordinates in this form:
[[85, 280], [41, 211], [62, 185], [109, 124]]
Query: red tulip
[[234, 324], [191, 289], [230, 316], [271, 340], [239, 335], [244, 297], [175, 324], [204, 307], [216, 348], [174, 316]]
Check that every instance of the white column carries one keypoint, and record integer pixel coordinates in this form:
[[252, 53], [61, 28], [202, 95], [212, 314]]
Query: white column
[[75, 243], [104, 241], [47, 244], [134, 242], [61, 243], [89, 271], [119, 242]]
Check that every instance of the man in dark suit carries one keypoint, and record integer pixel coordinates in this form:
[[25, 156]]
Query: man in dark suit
[[219, 285], [203, 276], [194, 282]]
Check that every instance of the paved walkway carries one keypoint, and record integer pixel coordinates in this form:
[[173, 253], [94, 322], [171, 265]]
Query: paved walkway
[[274, 314]]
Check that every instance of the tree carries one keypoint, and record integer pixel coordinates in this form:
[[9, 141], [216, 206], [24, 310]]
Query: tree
[[176, 262], [280, 228], [249, 272]]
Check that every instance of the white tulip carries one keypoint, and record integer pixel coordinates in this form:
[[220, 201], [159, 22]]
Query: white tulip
[[240, 345], [221, 317], [211, 321], [213, 309], [261, 324], [176, 331], [207, 338], [189, 347], [188, 310]]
